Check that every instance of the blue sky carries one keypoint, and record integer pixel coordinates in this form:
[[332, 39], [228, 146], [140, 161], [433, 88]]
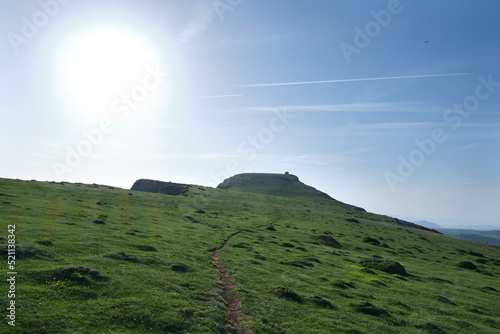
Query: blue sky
[[338, 93]]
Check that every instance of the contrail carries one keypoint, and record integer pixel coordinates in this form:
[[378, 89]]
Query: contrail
[[215, 96], [353, 80]]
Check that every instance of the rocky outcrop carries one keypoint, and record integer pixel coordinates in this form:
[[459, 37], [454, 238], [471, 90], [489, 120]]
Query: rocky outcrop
[[159, 187]]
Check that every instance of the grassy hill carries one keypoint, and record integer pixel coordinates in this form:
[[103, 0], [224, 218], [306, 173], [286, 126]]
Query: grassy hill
[[98, 259], [287, 185]]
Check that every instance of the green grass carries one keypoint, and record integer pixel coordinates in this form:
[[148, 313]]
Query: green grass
[[96, 259]]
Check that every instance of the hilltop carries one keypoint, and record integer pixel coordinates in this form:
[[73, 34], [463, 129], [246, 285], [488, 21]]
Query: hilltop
[[159, 187], [287, 185], [95, 259]]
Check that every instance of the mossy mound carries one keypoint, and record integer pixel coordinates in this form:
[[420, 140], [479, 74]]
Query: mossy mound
[[180, 268], [287, 294], [321, 302], [123, 256], [80, 275], [344, 284], [388, 266], [429, 327], [328, 241], [370, 240], [370, 309], [146, 248], [26, 252], [467, 265]]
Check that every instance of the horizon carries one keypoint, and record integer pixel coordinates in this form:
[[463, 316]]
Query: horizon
[[443, 223], [389, 105]]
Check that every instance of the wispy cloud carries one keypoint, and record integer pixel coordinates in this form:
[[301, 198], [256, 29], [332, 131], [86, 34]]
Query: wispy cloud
[[215, 96], [394, 126], [410, 106], [308, 160], [164, 157], [163, 126], [330, 159], [249, 41], [481, 125], [202, 16], [353, 80], [467, 183], [466, 147]]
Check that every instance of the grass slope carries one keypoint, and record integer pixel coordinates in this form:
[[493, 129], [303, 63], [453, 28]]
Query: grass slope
[[287, 185], [96, 259]]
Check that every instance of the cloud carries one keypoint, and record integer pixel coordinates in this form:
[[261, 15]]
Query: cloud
[[419, 107], [480, 125], [306, 159], [353, 80], [395, 126], [466, 147], [330, 159], [165, 157], [215, 96], [202, 17]]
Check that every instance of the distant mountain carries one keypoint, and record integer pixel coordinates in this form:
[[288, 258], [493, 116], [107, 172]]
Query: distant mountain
[[428, 224], [489, 237], [286, 185]]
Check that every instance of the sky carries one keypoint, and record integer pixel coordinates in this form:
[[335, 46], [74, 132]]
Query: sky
[[388, 105]]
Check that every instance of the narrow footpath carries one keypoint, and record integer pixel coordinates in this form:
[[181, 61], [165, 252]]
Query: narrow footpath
[[232, 301]]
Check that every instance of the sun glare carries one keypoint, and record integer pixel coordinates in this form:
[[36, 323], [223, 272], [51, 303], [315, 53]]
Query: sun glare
[[99, 66]]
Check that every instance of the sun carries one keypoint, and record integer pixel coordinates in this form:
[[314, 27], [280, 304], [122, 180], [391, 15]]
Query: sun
[[99, 66]]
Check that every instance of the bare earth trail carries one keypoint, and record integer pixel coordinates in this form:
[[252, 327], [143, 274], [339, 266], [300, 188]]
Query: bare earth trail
[[231, 299]]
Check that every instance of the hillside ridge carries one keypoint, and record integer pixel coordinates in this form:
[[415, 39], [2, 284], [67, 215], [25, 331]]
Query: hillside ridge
[[273, 184], [137, 261], [286, 185]]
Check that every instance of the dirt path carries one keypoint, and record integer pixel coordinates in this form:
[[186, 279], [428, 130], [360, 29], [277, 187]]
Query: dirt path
[[232, 301]]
